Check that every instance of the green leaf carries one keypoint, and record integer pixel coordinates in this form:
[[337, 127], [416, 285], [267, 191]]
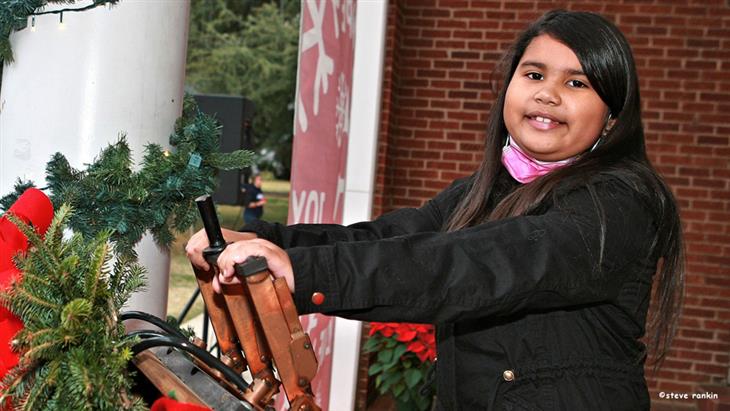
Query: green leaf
[[397, 353], [412, 377], [398, 389], [385, 356], [375, 368], [406, 396], [389, 380], [371, 344]]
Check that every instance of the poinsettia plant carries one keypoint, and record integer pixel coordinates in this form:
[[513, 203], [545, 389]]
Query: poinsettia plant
[[403, 356]]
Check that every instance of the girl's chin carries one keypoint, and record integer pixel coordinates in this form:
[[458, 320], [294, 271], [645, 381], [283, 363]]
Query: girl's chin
[[542, 153]]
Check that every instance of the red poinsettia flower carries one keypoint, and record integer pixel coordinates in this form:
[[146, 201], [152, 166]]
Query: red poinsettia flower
[[420, 339], [406, 333]]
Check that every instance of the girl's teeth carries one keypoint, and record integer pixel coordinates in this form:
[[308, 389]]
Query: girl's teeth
[[543, 120]]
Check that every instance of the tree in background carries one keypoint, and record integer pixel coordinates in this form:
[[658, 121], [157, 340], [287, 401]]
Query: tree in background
[[249, 48]]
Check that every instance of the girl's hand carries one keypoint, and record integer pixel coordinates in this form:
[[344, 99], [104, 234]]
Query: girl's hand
[[277, 259], [199, 241]]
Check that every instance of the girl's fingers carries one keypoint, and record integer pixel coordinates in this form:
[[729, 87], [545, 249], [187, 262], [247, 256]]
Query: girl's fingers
[[237, 253], [219, 281], [199, 242], [216, 285], [194, 250], [276, 258]]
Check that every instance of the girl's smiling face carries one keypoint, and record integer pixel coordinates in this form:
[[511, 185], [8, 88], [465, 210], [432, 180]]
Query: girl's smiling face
[[550, 109]]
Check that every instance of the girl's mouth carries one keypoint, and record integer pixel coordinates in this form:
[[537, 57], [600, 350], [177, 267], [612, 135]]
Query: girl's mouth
[[543, 122]]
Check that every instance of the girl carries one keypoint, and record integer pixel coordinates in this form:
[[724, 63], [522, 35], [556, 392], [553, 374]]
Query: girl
[[537, 269]]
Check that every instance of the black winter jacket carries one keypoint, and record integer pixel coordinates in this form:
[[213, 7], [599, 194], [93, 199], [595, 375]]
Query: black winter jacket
[[538, 312]]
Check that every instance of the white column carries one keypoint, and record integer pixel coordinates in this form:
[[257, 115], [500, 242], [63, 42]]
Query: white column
[[367, 82], [74, 87]]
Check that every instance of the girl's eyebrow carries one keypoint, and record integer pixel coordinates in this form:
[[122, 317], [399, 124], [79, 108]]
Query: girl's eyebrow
[[543, 66]]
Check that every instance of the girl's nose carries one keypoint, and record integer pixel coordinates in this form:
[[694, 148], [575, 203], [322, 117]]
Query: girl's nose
[[547, 95]]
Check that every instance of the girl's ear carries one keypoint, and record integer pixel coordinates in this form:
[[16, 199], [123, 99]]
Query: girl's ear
[[610, 121]]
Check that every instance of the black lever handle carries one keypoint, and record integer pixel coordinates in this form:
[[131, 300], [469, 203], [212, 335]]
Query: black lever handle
[[252, 265], [212, 228]]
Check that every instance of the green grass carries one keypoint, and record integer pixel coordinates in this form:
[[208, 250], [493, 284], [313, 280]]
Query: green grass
[[182, 279]]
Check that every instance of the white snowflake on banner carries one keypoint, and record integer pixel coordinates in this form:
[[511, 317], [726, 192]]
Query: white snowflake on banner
[[345, 23], [340, 193], [342, 110], [322, 349], [335, 10], [313, 37], [348, 20], [302, 114]]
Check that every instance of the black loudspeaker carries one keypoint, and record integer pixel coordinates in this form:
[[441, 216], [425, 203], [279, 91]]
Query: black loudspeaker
[[235, 114]]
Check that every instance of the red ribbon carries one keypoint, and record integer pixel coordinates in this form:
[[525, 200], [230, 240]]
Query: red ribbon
[[34, 208], [168, 404]]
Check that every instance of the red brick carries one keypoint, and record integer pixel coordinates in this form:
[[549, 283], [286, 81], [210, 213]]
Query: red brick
[[442, 165], [441, 145], [713, 346], [675, 386], [461, 136], [436, 12], [431, 33], [699, 85], [462, 4], [445, 104], [417, 23], [696, 11], [710, 369], [693, 171], [452, 23], [704, 182], [464, 75], [458, 156], [449, 64], [614, 8], [450, 44], [469, 14], [715, 54], [445, 84], [697, 150]]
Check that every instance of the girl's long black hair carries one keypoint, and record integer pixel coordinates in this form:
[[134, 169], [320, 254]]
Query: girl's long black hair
[[606, 58]]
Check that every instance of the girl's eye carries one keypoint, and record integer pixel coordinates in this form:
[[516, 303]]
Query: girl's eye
[[577, 84], [534, 76]]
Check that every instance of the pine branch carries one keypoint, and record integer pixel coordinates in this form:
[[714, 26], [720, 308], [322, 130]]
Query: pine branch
[[231, 161], [159, 198], [78, 350], [19, 188], [33, 237]]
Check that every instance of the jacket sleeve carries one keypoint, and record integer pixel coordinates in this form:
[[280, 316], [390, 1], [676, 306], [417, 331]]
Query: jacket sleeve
[[563, 257], [430, 217]]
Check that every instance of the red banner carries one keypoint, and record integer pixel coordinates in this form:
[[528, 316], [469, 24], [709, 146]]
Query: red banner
[[321, 131]]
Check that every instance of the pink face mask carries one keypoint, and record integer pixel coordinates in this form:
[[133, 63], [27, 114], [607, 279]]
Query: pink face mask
[[524, 168]]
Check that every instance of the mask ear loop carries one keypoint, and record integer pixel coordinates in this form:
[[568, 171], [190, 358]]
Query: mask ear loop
[[603, 133], [507, 141]]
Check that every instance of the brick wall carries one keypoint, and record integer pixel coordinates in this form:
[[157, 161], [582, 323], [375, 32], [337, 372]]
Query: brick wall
[[437, 94], [388, 120]]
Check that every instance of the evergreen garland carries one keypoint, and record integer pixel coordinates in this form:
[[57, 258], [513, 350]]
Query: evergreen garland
[[14, 16], [159, 197], [74, 352]]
